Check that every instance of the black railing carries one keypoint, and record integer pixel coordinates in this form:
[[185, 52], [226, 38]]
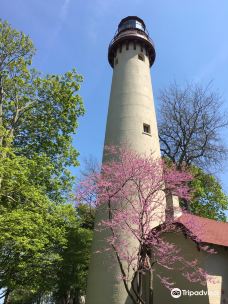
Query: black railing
[[133, 30]]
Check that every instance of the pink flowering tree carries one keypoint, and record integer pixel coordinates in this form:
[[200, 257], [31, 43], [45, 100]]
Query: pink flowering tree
[[132, 188]]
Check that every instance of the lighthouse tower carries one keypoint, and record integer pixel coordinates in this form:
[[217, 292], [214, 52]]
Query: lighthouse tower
[[131, 116], [131, 121]]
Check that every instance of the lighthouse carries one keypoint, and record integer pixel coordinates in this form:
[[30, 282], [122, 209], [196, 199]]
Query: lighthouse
[[131, 121], [131, 115]]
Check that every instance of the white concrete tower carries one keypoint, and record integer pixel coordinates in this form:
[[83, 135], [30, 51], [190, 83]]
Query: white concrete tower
[[131, 116], [132, 121]]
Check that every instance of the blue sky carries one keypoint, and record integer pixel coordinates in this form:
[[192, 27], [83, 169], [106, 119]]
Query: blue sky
[[190, 39]]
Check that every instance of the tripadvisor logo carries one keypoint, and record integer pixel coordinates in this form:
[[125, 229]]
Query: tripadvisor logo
[[176, 293]]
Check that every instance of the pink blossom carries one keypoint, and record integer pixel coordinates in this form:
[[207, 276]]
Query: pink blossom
[[129, 191]]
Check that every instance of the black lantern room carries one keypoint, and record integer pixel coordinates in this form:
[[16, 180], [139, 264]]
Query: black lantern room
[[131, 29]]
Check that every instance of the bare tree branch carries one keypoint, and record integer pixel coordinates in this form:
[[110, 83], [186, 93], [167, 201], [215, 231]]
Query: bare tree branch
[[190, 124]]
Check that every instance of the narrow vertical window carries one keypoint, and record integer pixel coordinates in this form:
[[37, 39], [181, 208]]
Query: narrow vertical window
[[146, 128], [141, 57], [116, 61]]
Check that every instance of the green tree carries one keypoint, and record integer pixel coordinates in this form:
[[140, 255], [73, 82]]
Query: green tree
[[38, 115], [86, 214], [67, 278], [33, 229], [208, 198], [73, 270], [72, 275]]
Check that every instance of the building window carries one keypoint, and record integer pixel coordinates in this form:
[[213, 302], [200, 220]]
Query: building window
[[141, 57], [146, 129], [116, 61]]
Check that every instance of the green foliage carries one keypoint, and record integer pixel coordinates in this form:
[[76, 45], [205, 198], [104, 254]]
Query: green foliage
[[73, 270], [41, 236], [72, 276], [16, 50], [66, 278], [33, 229], [87, 215], [38, 113], [208, 199]]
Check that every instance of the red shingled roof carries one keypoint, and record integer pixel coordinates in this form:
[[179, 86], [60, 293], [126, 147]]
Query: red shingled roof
[[207, 230]]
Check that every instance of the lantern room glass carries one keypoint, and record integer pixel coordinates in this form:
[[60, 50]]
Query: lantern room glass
[[132, 23]]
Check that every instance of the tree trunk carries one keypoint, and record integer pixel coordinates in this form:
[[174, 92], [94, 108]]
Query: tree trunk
[[151, 287], [7, 297]]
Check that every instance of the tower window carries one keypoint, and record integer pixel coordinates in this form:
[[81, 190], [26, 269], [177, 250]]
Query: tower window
[[116, 61], [146, 128], [141, 57]]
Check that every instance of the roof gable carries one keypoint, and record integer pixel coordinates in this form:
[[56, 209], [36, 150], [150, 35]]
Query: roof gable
[[206, 230]]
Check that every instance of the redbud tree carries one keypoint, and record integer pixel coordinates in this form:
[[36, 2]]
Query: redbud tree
[[133, 188]]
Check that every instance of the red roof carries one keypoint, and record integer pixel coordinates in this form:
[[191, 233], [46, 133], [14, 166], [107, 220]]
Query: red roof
[[206, 230]]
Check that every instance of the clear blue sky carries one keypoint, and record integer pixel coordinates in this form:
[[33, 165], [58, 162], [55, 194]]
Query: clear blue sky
[[190, 38]]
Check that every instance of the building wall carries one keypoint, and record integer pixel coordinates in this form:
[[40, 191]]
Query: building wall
[[215, 264], [131, 103]]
